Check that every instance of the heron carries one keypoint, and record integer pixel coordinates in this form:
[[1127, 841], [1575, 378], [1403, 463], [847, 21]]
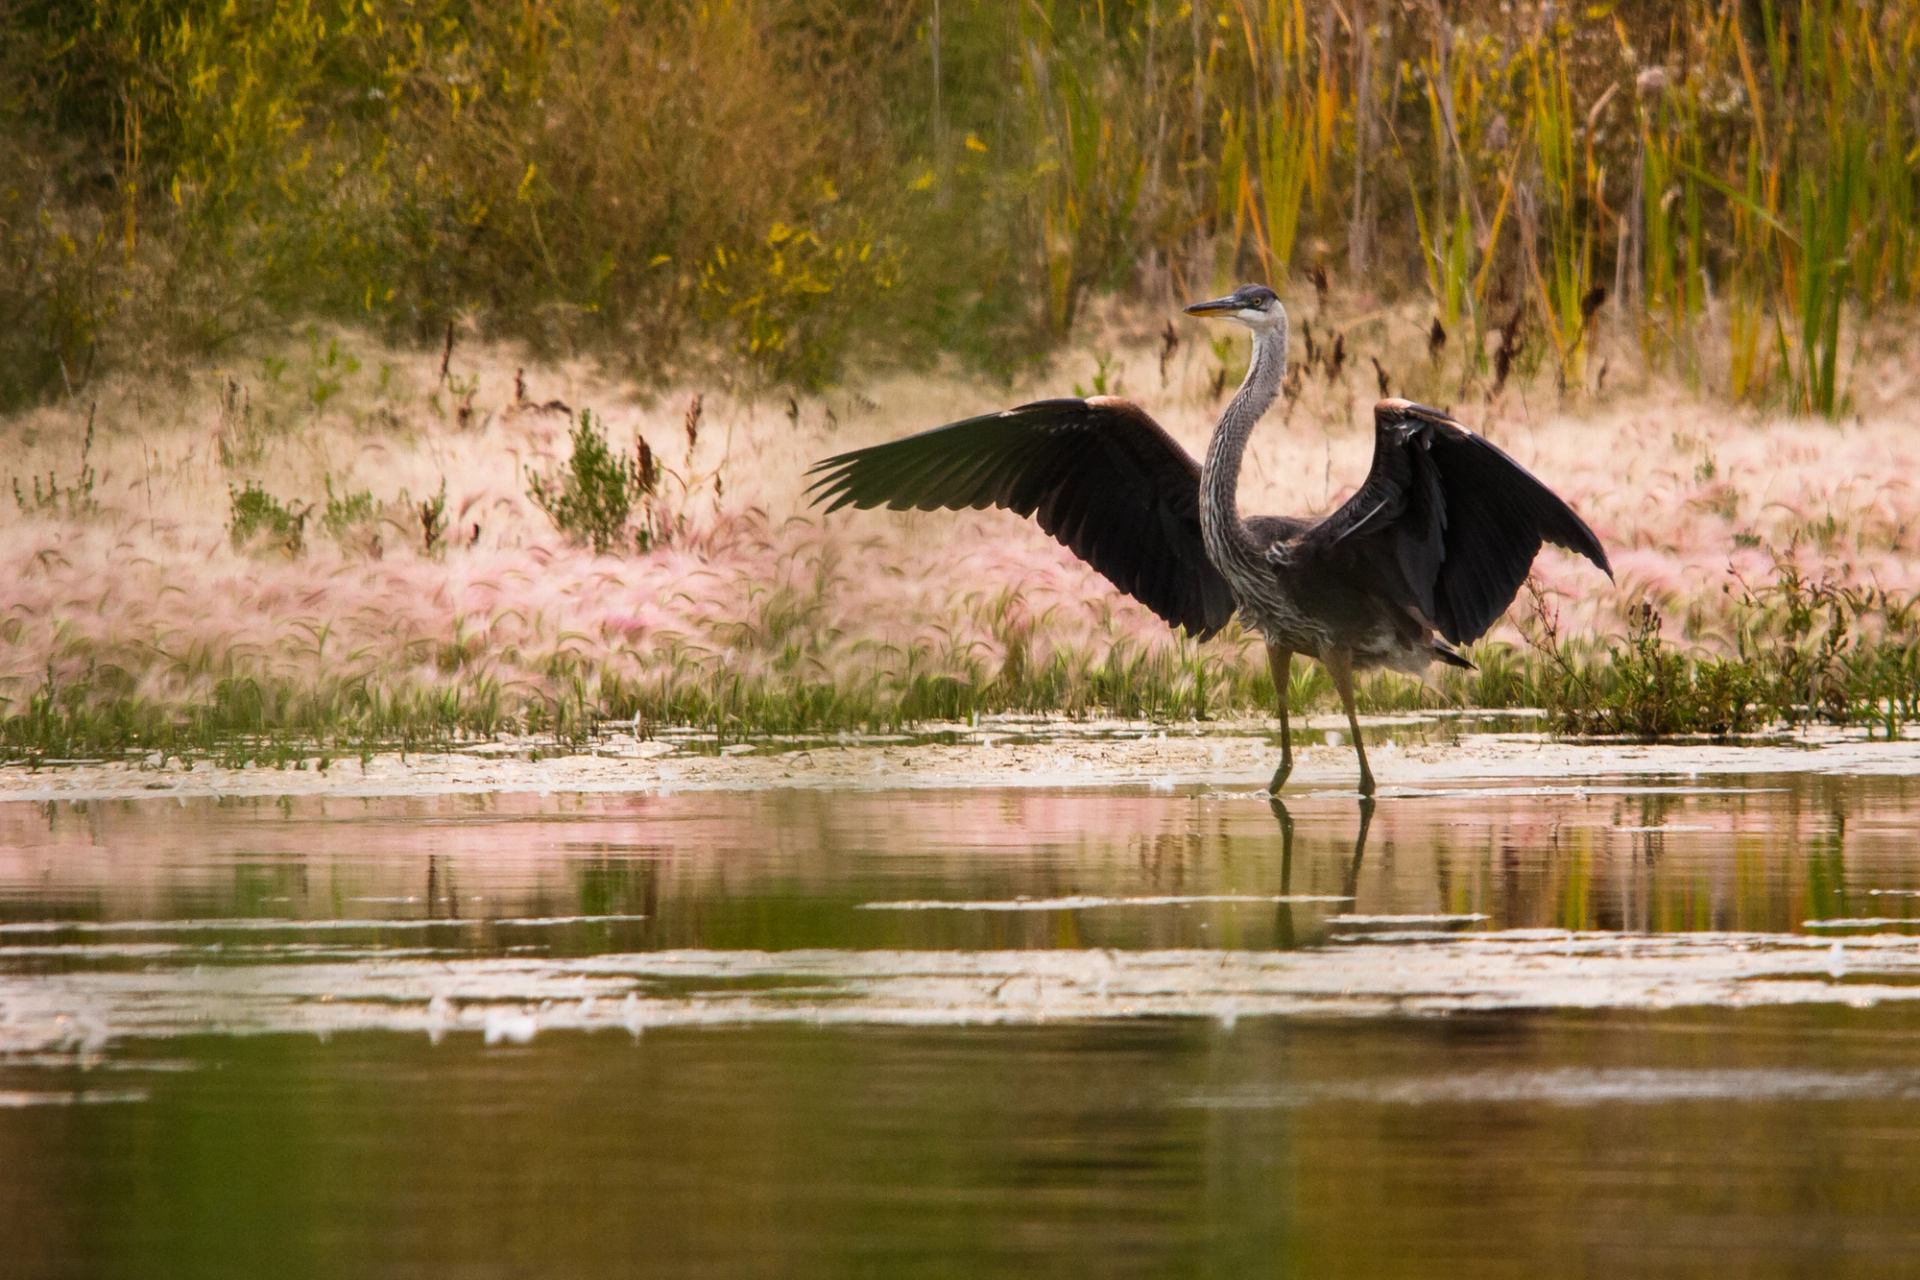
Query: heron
[[1422, 559]]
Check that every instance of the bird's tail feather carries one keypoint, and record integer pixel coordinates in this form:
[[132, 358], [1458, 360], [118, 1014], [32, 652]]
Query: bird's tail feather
[[1452, 656]]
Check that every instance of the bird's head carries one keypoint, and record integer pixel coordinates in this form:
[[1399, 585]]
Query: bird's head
[[1253, 305]]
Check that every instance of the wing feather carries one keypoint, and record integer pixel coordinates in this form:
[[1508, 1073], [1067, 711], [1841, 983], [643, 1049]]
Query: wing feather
[[1449, 522], [1100, 476]]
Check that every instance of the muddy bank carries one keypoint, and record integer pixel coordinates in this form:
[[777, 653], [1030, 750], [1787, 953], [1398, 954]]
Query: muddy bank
[[1409, 756]]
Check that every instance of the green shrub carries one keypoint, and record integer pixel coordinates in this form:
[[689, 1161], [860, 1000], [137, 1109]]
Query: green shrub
[[591, 500]]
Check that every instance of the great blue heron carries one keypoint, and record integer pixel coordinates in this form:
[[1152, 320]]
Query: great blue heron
[[1424, 556]]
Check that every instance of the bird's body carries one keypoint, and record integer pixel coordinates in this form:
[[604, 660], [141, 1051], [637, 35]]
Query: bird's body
[[1285, 584], [1424, 556], [1343, 615]]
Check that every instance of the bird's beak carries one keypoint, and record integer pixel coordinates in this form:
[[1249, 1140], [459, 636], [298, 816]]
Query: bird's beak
[[1217, 307]]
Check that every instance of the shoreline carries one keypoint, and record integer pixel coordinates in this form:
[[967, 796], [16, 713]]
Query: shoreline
[[1023, 753]]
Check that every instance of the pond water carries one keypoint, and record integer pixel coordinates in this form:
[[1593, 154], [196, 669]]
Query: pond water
[[1589, 1028]]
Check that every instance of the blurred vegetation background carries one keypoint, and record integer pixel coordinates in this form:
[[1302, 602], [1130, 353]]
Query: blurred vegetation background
[[777, 187]]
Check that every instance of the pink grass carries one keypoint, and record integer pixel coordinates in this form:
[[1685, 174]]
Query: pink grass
[[148, 597]]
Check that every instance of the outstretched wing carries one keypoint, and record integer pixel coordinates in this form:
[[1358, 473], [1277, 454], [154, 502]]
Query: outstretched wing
[[1449, 520], [1099, 475]]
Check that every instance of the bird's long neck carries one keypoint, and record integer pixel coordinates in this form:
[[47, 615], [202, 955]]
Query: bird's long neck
[[1220, 526]]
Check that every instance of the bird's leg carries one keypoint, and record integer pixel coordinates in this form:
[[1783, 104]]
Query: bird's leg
[[1359, 847], [1283, 920], [1280, 661], [1340, 667]]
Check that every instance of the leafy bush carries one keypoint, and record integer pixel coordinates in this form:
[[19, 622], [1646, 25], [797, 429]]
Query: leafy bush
[[591, 500]]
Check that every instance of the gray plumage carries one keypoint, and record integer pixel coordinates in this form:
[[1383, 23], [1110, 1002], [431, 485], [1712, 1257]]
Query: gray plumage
[[1424, 556]]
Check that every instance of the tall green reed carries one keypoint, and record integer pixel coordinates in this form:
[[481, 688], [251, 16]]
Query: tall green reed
[[772, 186]]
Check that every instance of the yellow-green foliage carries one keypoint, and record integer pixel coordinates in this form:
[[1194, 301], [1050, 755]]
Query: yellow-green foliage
[[777, 182]]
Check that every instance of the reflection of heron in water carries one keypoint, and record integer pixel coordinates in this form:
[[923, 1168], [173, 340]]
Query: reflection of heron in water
[[1424, 557], [1283, 923]]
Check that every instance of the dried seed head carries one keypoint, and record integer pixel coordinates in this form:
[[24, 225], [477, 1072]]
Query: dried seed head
[[694, 409], [1591, 302], [649, 472]]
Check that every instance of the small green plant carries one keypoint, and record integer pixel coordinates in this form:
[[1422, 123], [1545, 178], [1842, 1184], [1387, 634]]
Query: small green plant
[[242, 436], [74, 499], [591, 500], [352, 519], [1104, 381], [433, 518], [346, 513], [260, 519], [331, 369]]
